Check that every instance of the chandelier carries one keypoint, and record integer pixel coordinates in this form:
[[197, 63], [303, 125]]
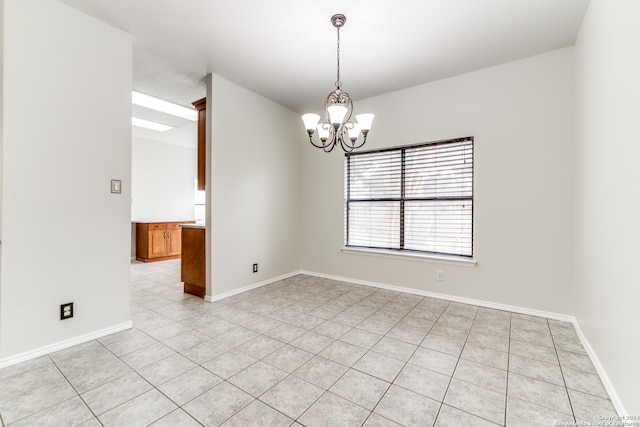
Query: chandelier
[[338, 107]]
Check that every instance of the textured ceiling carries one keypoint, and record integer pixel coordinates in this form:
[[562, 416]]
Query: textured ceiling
[[285, 50]]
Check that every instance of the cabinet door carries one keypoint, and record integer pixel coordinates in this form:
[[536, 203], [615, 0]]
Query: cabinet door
[[174, 241], [157, 243]]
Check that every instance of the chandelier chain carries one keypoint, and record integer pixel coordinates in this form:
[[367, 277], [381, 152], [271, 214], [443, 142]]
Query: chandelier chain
[[338, 82]]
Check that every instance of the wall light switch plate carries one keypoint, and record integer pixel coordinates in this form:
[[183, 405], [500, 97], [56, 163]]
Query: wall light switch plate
[[116, 186]]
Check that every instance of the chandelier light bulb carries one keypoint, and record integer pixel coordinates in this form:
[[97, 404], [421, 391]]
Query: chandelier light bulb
[[324, 131], [310, 121], [337, 114], [365, 120], [354, 132]]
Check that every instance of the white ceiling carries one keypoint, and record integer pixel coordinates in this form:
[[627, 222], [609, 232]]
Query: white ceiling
[[285, 50]]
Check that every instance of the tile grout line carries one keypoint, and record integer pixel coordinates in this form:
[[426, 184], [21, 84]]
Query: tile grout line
[[367, 351], [288, 373], [348, 368], [370, 349], [153, 387], [137, 373], [405, 363], [566, 389], [456, 367], [74, 389], [506, 390]]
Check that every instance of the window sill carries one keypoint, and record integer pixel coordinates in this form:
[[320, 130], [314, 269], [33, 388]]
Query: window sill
[[441, 259]]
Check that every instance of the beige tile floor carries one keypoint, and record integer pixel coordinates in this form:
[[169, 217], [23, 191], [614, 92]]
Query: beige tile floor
[[313, 352]]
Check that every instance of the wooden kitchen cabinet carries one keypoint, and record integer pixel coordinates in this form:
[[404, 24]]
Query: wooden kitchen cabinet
[[157, 241], [194, 260], [201, 106]]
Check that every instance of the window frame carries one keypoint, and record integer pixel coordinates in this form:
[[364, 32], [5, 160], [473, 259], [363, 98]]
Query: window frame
[[400, 249]]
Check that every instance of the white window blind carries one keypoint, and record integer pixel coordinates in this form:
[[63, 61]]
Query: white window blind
[[413, 198]]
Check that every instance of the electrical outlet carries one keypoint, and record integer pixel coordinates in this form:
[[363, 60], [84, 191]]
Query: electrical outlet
[[439, 275], [66, 311], [255, 268]]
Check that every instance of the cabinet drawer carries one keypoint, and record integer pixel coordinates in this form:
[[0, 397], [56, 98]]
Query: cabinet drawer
[[174, 225], [159, 226]]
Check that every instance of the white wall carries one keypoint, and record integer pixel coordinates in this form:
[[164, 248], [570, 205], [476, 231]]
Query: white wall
[[162, 181], [607, 179], [1, 145], [67, 133], [520, 114], [254, 188]]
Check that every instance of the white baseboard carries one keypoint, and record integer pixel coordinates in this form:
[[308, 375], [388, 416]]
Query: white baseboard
[[224, 295], [61, 345], [606, 382], [481, 303]]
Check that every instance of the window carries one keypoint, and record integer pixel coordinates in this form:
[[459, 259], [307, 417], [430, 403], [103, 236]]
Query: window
[[416, 198]]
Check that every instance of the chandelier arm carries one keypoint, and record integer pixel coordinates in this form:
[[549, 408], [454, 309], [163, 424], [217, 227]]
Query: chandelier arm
[[329, 143], [346, 143], [322, 145], [313, 143], [331, 147], [349, 105], [344, 135], [345, 146], [364, 139]]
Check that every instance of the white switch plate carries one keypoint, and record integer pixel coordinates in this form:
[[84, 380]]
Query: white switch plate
[[116, 186]]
